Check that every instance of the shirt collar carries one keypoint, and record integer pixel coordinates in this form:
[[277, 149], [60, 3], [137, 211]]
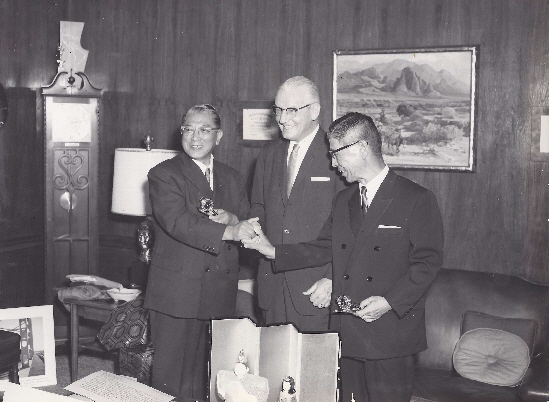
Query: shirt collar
[[204, 167], [305, 143], [373, 185]]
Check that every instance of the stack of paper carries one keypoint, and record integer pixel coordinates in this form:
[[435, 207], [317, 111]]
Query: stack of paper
[[102, 386]]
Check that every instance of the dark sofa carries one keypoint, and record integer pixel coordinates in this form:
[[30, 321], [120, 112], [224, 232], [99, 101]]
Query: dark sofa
[[452, 294]]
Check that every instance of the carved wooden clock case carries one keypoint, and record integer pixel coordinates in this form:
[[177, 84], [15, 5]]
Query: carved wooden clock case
[[71, 126]]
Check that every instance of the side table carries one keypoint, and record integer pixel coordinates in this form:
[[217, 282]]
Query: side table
[[98, 310]]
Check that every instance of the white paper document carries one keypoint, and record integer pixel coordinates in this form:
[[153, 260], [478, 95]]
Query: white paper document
[[102, 386], [18, 393]]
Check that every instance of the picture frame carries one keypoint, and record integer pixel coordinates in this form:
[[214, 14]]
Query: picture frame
[[423, 102], [35, 325], [256, 123], [539, 147]]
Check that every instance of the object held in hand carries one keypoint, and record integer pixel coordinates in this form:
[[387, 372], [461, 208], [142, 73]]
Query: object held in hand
[[345, 305], [207, 207]]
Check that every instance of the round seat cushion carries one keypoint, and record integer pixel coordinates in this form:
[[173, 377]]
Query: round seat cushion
[[491, 356]]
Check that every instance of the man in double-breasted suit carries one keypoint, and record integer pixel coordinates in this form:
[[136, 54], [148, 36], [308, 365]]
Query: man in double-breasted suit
[[385, 239], [194, 268], [292, 196]]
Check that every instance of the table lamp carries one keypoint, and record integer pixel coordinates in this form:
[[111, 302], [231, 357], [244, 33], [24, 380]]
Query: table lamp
[[130, 190]]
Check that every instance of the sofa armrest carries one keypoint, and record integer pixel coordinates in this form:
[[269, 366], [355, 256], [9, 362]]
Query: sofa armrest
[[535, 385]]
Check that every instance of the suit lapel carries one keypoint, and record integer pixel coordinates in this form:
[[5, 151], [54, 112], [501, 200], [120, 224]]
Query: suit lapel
[[191, 170], [316, 150], [218, 187], [377, 209], [355, 212], [281, 169]]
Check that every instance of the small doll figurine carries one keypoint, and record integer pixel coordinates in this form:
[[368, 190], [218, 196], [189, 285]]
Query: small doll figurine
[[288, 393]]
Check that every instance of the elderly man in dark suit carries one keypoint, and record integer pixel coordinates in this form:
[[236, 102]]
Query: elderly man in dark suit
[[194, 268], [385, 239]]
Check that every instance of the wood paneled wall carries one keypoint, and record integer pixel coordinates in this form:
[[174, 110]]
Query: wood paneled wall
[[155, 59]]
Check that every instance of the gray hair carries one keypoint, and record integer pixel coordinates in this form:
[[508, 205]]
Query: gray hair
[[300, 81], [205, 109]]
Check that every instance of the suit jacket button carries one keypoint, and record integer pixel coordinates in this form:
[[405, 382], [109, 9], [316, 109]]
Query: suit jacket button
[[228, 271], [229, 247], [343, 246], [377, 248], [286, 231], [369, 279], [346, 276], [207, 269]]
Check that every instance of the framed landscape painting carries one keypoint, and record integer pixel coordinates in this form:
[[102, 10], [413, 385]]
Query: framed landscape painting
[[423, 102]]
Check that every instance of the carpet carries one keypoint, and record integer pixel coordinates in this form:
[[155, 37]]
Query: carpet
[[88, 363]]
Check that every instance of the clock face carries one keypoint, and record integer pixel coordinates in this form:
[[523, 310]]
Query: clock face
[[71, 122]]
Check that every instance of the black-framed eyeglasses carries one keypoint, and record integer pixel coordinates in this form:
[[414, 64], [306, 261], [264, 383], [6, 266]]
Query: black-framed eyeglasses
[[188, 131], [335, 151], [290, 111]]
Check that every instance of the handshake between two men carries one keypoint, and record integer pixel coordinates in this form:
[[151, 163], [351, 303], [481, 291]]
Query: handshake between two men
[[369, 309]]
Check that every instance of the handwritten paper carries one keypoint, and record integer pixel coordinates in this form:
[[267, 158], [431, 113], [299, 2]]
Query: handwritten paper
[[102, 386]]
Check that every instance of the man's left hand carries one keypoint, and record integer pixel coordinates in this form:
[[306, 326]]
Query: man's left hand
[[320, 293], [373, 308]]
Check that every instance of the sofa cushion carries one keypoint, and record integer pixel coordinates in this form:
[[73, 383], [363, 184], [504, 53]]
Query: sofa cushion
[[523, 327], [491, 356]]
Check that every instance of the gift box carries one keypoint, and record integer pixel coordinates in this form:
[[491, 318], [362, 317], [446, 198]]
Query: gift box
[[137, 362]]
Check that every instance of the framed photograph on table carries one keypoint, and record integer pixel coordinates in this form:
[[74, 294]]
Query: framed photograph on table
[[35, 326], [257, 123], [423, 102]]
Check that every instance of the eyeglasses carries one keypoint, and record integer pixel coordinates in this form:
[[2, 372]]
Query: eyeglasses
[[290, 111], [335, 151], [188, 131]]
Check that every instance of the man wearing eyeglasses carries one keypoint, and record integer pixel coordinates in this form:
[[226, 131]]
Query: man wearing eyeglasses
[[292, 195], [194, 268], [384, 237]]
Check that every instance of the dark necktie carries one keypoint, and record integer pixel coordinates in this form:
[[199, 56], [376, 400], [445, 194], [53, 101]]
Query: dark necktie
[[364, 200], [207, 173], [292, 168]]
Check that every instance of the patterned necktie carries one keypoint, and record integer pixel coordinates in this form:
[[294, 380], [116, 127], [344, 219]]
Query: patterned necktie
[[364, 200], [207, 173], [292, 168]]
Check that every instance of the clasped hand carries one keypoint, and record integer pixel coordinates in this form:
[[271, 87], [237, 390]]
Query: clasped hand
[[235, 230], [260, 242]]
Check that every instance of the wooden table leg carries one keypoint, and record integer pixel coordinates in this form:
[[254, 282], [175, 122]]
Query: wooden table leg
[[74, 342]]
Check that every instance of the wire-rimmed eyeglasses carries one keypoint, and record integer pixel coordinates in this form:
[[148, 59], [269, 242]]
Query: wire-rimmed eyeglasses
[[335, 151], [290, 111], [188, 131]]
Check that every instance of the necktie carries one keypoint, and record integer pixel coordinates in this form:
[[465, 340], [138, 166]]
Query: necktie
[[364, 200], [207, 173], [292, 168]]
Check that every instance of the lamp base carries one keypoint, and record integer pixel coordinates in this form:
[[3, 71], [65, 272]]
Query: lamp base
[[145, 236]]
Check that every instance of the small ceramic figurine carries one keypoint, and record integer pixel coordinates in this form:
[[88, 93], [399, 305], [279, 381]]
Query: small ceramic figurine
[[288, 393], [241, 386]]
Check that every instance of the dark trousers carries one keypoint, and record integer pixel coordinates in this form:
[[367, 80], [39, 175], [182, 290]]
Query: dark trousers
[[282, 311], [388, 380], [180, 364]]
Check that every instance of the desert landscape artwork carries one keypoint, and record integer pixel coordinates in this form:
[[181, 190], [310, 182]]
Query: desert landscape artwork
[[422, 101]]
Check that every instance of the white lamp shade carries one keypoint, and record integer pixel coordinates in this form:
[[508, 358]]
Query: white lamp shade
[[130, 190]]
